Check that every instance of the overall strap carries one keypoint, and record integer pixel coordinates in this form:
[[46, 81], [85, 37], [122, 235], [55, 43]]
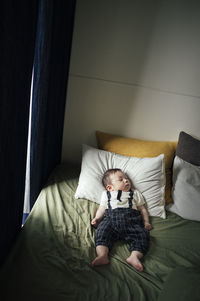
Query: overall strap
[[119, 195], [109, 197], [130, 198]]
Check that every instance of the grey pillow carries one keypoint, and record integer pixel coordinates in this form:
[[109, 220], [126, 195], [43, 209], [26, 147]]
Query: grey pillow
[[185, 190], [188, 148]]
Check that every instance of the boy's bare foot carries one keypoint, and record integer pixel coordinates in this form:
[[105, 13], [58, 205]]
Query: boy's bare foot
[[134, 260], [100, 260]]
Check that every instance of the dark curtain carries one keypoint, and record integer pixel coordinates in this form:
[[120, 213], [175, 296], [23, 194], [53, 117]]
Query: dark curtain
[[18, 21], [51, 65], [39, 33]]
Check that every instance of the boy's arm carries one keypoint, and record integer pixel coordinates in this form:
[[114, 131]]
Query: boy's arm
[[145, 217], [99, 215]]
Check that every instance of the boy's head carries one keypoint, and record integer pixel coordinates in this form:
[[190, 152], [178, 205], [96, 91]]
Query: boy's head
[[115, 179]]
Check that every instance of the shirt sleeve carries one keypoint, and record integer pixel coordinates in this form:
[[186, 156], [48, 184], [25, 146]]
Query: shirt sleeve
[[104, 199], [138, 197]]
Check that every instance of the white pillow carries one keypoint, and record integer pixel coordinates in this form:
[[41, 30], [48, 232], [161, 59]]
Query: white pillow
[[146, 174], [186, 190]]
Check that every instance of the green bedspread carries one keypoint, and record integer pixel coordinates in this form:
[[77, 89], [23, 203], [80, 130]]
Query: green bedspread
[[52, 255]]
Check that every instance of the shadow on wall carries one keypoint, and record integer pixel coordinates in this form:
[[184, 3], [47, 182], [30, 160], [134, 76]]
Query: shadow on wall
[[106, 49]]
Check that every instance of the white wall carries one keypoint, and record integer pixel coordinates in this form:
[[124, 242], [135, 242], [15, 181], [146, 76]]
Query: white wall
[[134, 71]]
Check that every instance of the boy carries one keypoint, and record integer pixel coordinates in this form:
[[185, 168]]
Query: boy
[[121, 215]]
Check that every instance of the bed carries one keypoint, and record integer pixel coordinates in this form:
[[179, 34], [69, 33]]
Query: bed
[[51, 259]]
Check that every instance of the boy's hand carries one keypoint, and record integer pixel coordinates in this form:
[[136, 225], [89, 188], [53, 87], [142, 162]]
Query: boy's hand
[[148, 226], [95, 221], [98, 216]]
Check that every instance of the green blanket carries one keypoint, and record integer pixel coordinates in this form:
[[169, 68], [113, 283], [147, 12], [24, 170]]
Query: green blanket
[[51, 259]]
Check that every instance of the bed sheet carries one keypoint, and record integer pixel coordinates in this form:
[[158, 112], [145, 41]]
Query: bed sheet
[[51, 259]]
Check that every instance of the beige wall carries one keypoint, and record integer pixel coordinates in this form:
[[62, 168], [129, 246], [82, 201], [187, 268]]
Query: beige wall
[[134, 71]]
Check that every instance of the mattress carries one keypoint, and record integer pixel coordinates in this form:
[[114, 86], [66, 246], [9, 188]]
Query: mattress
[[51, 258]]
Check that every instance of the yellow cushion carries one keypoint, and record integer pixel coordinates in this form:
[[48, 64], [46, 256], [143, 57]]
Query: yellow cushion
[[141, 148]]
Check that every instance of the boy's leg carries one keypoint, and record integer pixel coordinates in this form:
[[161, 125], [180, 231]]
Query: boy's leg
[[138, 247], [138, 238], [102, 256], [105, 236], [134, 260]]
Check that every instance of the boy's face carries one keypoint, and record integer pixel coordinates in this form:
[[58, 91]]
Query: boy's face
[[119, 181]]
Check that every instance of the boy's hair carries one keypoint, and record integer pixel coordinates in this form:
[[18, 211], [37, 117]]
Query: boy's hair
[[106, 176]]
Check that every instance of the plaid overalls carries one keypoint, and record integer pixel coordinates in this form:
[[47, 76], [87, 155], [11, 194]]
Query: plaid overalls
[[123, 224]]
